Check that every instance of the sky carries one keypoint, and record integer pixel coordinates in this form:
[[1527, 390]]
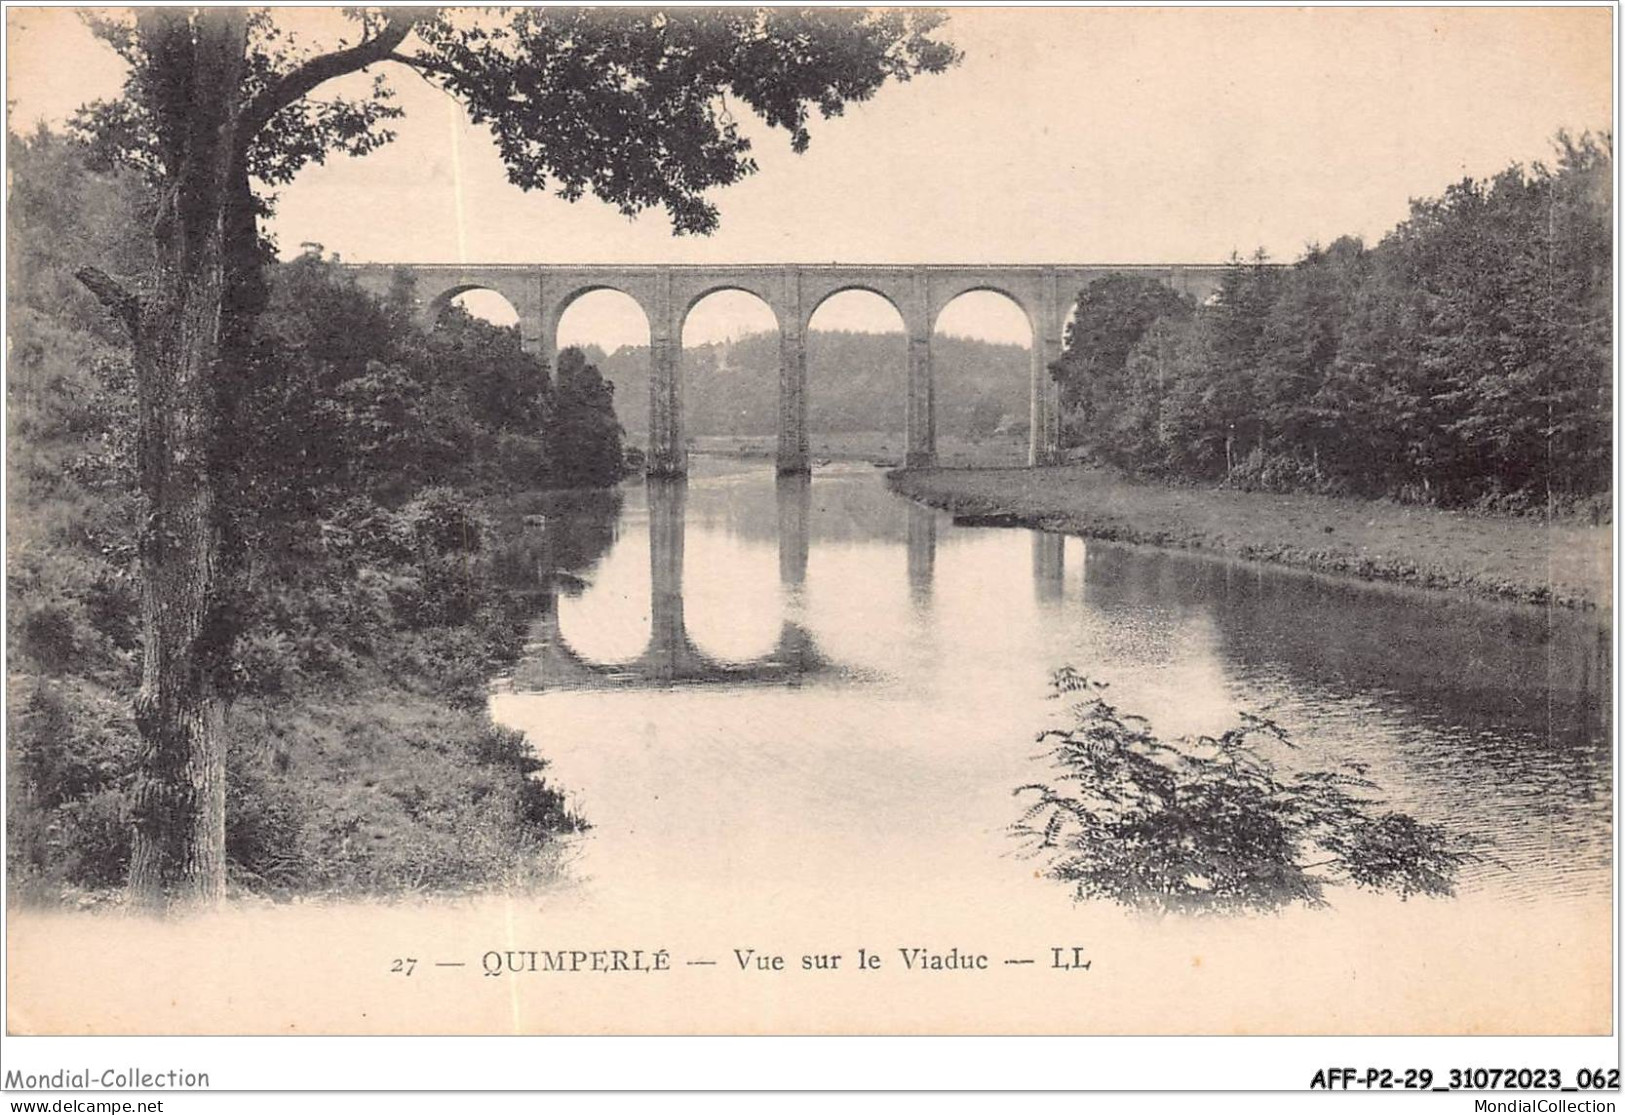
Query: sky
[[1075, 135]]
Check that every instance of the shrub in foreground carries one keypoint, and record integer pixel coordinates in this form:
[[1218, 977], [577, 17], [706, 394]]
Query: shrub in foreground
[[1208, 825]]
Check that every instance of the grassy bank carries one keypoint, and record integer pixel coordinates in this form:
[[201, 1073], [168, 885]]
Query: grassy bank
[[1563, 562], [360, 758]]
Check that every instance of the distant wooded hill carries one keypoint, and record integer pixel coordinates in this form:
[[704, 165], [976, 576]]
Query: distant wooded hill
[[855, 381]]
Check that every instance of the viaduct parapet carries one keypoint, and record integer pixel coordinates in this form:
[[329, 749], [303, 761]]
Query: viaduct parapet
[[541, 293]]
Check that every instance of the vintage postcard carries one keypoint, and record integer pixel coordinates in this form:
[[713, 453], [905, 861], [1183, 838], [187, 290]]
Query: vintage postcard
[[717, 521]]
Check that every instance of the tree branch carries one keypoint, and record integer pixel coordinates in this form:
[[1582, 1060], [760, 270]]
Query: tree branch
[[124, 305], [325, 67], [428, 64]]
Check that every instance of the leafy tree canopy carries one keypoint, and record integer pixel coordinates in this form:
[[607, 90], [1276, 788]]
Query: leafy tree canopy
[[630, 103]]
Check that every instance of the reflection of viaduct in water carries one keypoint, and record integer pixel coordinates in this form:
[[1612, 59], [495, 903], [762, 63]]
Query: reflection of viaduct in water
[[1049, 565], [540, 293], [671, 658], [922, 551]]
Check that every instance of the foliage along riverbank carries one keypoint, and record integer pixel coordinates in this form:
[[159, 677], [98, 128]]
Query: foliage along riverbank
[[380, 542], [1464, 361], [1559, 561], [1367, 412]]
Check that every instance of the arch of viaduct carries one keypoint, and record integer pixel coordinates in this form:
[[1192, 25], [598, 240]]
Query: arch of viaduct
[[541, 293]]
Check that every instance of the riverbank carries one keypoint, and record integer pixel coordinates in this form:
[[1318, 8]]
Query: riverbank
[[880, 448], [361, 758], [1562, 562]]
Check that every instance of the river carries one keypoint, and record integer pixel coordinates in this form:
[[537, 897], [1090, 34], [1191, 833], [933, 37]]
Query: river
[[798, 716], [795, 708]]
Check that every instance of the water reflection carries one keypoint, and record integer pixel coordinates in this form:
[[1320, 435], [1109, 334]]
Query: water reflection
[[548, 534], [907, 659], [1495, 716], [671, 656], [922, 552], [1459, 662], [1049, 566], [793, 499]]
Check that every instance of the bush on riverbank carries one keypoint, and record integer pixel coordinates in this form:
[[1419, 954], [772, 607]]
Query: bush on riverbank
[[1466, 360], [368, 790], [361, 757], [372, 594], [1209, 825], [376, 792]]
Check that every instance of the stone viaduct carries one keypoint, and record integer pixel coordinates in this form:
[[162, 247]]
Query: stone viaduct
[[541, 293]]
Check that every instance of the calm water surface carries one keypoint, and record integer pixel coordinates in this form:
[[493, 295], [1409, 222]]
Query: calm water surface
[[795, 714], [816, 691]]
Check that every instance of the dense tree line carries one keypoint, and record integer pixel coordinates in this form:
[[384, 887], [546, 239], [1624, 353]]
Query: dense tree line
[[1464, 360], [364, 546]]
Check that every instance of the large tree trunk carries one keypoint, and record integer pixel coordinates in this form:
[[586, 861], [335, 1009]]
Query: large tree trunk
[[180, 828]]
